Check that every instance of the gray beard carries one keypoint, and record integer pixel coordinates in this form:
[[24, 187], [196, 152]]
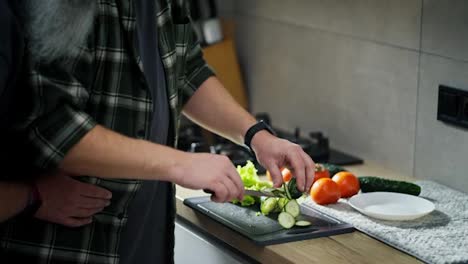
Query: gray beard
[[56, 29]]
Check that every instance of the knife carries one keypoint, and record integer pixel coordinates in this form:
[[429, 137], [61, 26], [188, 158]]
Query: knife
[[269, 192], [265, 192]]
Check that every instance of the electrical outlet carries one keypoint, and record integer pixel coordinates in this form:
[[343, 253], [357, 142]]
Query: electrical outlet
[[453, 106]]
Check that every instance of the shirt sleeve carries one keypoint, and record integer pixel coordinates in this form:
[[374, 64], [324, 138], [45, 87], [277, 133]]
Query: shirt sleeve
[[197, 70], [57, 120]]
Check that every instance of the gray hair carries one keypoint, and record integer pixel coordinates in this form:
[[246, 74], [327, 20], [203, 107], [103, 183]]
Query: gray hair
[[56, 29]]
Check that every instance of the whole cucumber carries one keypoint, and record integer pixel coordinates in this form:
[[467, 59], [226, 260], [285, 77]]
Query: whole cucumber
[[376, 184]]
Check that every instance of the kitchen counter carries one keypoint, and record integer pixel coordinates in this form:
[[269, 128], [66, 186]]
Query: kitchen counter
[[354, 247]]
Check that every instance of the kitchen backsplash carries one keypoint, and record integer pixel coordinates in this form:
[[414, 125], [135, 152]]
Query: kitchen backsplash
[[365, 72]]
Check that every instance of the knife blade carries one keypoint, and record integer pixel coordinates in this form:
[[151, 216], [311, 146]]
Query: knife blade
[[269, 192], [259, 193]]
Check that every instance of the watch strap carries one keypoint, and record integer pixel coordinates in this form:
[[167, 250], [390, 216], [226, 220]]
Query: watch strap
[[259, 126]]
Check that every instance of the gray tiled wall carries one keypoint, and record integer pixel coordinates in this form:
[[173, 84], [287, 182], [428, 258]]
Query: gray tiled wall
[[441, 149], [314, 80], [445, 28], [365, 72], [390, 21]]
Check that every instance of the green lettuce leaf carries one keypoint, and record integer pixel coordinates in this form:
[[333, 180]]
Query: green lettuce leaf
[[248, 174]]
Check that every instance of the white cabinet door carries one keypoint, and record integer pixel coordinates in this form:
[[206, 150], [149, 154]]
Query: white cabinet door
[[192, 248]]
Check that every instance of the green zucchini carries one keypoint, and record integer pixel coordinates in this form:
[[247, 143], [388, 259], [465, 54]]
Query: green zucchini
[[286, 220], [376, 184]]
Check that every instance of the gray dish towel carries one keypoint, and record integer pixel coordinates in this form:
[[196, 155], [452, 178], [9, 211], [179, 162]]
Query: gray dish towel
[[439, 237]]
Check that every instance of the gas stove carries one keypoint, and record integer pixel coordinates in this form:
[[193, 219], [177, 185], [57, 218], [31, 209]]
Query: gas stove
[[195, 139]]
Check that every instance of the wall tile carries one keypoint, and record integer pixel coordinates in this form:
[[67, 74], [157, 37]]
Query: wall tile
[[445, 28], [360, 93], [441, 149], [391, 21], [226, 8]]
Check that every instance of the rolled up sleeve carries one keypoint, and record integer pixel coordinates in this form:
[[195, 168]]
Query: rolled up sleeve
[[58, 120]]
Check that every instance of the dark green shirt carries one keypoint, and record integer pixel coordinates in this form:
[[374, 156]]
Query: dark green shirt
[[104, 85]]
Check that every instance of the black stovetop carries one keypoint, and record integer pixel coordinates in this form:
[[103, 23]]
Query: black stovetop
[[195, 139]]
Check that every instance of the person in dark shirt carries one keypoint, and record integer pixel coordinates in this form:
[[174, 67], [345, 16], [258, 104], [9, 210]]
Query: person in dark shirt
[[107, 106], [64, 199]]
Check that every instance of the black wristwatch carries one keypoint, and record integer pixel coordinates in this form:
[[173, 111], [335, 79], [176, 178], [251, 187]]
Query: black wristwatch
[[259, 126], [34, 202]]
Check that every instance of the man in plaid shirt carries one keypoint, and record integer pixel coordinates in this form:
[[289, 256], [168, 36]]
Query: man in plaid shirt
[[105, 86]]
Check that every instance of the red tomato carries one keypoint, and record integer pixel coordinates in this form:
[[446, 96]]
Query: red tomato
[[348, 183], [321, 172], [325, 191], [287, 175]]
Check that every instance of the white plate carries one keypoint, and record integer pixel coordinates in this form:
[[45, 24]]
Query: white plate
[[391, 206]]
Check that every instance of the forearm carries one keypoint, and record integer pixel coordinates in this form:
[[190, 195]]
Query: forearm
[[216, 110], [107, 154], [13, 199]]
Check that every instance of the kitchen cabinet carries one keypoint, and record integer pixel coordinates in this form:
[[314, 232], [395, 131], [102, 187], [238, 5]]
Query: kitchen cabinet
[[193, 247]]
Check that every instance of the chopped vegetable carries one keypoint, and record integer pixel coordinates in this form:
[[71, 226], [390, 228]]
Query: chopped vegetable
[[303, 223], [261, 185], [247, 201], [248, 174], [268, 205], [293, 208], [251, 181], [281, 204], [288, 209], [286, 220]]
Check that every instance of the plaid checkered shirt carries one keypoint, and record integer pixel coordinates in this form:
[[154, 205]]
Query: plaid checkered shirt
[[104, 85]]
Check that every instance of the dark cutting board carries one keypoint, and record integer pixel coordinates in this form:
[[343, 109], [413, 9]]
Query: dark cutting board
[[265, 230]]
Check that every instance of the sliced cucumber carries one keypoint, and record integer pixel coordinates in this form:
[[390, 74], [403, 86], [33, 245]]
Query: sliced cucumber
[[286, 220], [282, 203], [293, 208], [268, 205], [303, 223]]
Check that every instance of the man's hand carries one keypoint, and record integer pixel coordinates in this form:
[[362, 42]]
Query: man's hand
[[69, 202], [275, 153], [211, 172]]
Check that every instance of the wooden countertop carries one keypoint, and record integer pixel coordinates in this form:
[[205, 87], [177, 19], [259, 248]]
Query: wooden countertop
[[354, 247]]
